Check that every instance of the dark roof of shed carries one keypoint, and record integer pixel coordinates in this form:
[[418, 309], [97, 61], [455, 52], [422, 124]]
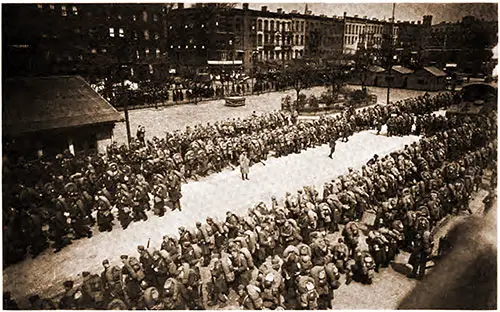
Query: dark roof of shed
[[33, 104]]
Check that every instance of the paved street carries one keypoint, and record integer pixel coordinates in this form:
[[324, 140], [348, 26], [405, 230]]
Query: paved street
[[212, 196], [169, 118]]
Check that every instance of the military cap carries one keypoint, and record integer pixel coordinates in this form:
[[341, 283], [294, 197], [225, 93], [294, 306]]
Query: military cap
[[124, 257], [85, 273], [68, 284], [37, 297], [140, 248], [106, 261], [198, 224]]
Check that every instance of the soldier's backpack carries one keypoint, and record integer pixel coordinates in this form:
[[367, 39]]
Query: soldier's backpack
[[248, 257], [254, 294], [228, 269]]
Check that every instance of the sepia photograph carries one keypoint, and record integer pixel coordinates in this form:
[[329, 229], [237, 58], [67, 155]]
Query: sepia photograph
[[248, 156]]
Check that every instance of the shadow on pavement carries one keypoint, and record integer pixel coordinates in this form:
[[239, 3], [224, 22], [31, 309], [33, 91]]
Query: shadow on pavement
[[465, 278], [401, 268]]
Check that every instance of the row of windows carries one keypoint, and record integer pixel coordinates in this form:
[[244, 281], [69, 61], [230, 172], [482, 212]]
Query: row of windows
[[121, 33], [277, 40], [354, 39], [66, 10], [358, 29], [280, 26], [280, 55]]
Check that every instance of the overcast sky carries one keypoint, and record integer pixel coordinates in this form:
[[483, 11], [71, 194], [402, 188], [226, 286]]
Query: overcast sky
[[451, 12]]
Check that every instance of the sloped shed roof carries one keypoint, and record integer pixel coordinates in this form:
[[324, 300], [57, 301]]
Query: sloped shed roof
[[435, 71], [402, 70], [33, 104], [376, 69]]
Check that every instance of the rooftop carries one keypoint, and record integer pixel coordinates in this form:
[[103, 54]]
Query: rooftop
[[33, 104]]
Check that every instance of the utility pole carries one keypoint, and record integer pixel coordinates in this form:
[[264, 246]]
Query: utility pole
[[125, 109], [389, 81]]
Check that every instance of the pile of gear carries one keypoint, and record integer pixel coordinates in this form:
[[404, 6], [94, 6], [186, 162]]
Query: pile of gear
[[292, 254]]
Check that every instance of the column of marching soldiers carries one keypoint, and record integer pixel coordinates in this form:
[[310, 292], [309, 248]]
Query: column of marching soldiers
[[278, 253], [54, 201]]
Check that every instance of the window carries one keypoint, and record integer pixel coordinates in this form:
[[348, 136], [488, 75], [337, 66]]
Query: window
[[301, 26], [151, 71], [40, 6], [121, 33], [271, 26], [134, 18], [421, 81], [155, 17], [146, 52], [158, 54], [302, 40], [112, 32], [259, 25], [137, 54], [146, 34], [51, 6], [77, 30], [94, 51], [63, 10], [136, 37], [119, 17], [75, 10], [145, 16], [266, 26], [259, 40], [157, 36]]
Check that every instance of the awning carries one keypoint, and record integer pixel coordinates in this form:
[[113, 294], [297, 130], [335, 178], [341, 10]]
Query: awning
[[225, 62]]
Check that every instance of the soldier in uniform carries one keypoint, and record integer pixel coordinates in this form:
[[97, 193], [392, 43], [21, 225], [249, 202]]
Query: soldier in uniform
[[332, 146], [174, 190], [244, 166]]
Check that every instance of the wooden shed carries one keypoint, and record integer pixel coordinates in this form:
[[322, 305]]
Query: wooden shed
[[427, 78], [47, 115]]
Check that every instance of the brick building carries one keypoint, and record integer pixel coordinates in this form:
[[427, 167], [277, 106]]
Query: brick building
[[365, 33], [210, 34], [92, 40]]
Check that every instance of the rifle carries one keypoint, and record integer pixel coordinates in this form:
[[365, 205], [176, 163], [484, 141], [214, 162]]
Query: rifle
[[149, 241]]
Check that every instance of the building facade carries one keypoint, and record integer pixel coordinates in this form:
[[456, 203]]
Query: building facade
[[93, 40], [365, 33]]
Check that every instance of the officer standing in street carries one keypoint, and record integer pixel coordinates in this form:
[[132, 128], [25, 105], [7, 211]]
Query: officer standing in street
[[333, 142], [244, 166]]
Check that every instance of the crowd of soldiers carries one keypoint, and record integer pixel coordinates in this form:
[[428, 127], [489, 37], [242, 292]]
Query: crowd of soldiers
[[292, 255], [62, 199]]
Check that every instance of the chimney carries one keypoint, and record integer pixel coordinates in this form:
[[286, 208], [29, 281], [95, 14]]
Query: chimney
[[180, 6], [294, 12], [263, 8], [356, 16], [279, 10], [345, 14], [419, 22], [365, 17], [245, 6]]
